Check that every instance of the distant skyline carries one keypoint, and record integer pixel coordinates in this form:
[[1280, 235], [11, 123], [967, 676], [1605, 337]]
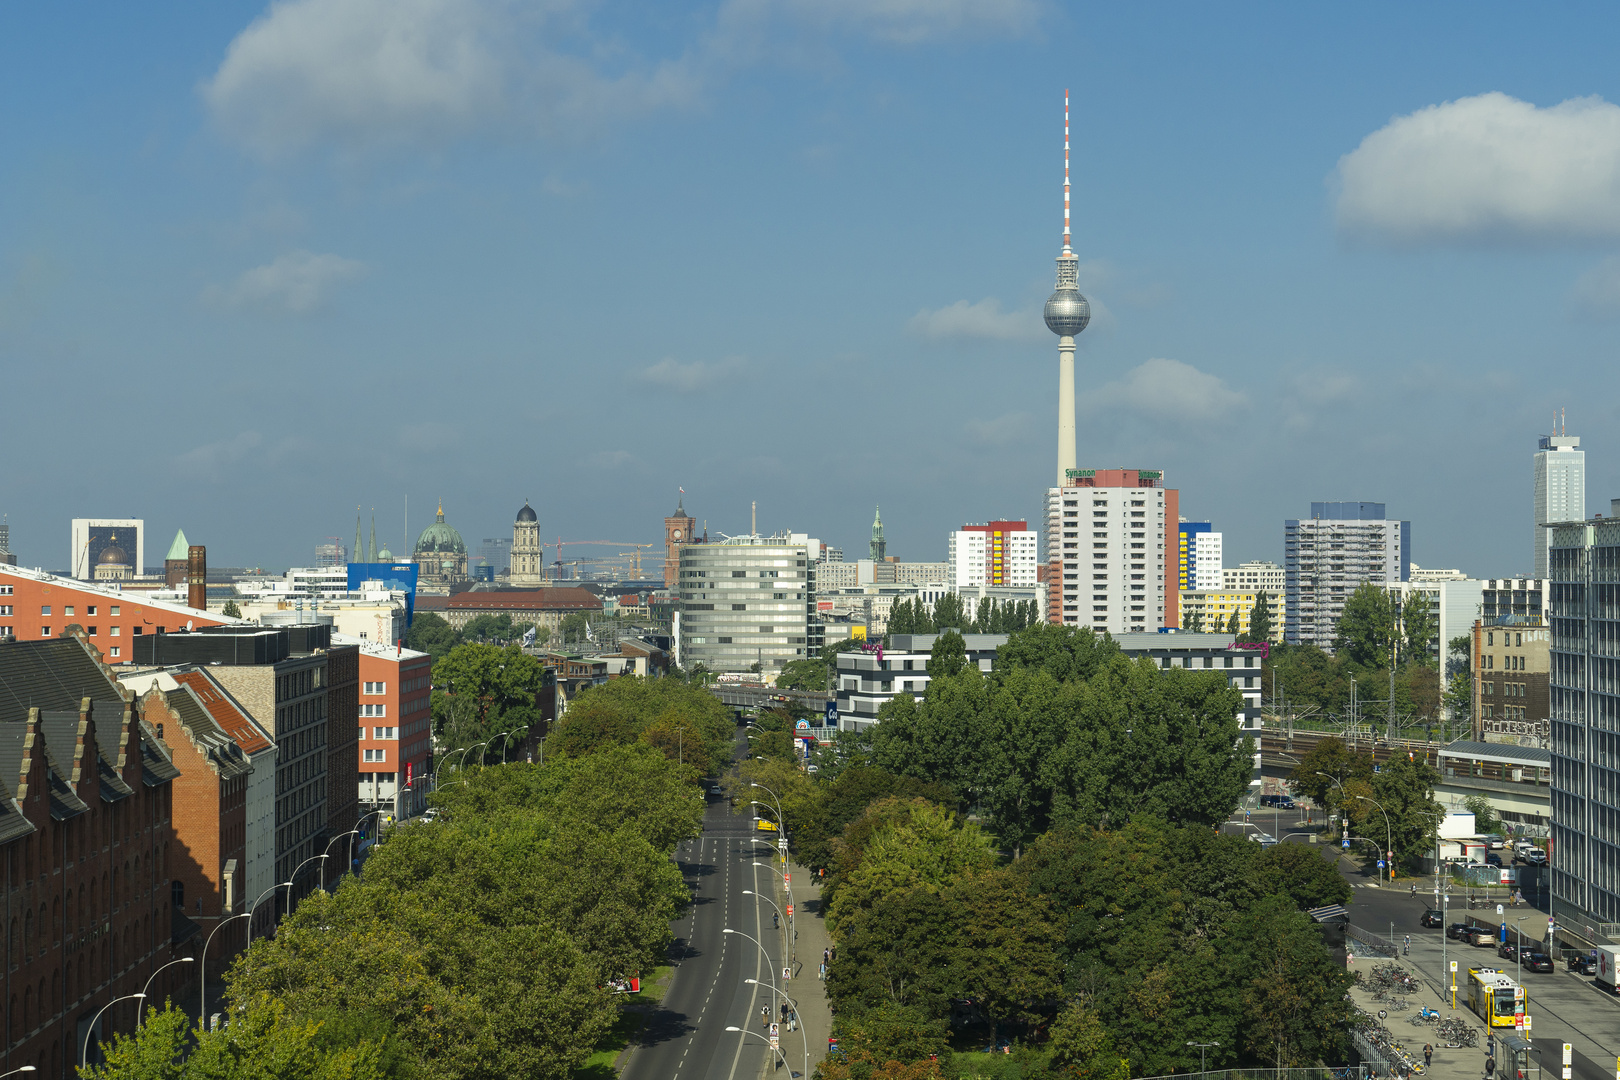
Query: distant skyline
[[259, 263]]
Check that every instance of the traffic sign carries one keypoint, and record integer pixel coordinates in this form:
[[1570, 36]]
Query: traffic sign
[[1454, 967], [790, 909], [1380, 864], [1499, 909], [1346, 845]]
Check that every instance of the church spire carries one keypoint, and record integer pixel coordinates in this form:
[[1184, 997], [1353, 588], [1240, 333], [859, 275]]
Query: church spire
[[358, 551], [879, 548], [371, 552]]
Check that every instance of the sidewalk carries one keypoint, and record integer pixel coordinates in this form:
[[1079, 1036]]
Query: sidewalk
[[806, 987], [1450, 1063]]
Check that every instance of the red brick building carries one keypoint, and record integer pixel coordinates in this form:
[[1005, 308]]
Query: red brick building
[[35, 606], [85, 852]]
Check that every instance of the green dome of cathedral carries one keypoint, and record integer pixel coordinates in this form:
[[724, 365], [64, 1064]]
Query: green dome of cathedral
[[440, 538]]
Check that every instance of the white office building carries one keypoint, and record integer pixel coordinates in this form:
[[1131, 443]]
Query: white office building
[[1252, 576], [746, 600], [1106, 535], [1560, 489], [994, 553]]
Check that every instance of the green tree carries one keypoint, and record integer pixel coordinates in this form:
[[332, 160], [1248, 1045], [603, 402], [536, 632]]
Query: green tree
[[950, 613], [1260, 617], [502, 685], [429, 633], [1083, 1049], [1295, 1001], [1459, 696], [1193, 622], [1460, 654], [810, 674], [948, 657], [574, 626], [618, 712], [1405, 789], [1232, 624], [897, 846], [1367, 626], [1486, 819], [1332, 757], [230, 610], [1419, 628], [1306, 875]]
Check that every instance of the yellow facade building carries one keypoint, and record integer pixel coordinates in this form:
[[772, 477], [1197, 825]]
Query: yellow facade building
[[1216, 606]]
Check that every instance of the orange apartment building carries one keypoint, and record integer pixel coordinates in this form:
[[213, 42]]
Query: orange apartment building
[[36, 605], [394, 718]]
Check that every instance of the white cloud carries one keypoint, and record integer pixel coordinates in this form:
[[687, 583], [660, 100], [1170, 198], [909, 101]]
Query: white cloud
[[366, 73], [1487, 167], [1167, 388], [913, 21], [297, 283], [1597, 293], [1011, 428], [670, 374], [981, 321]]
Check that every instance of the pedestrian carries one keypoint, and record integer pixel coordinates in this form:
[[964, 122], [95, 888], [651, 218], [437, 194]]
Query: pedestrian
[[826, 955], [776, 922], [1428, 1054], [823, 971], [1406, 946], [765, 1017], [833, 954], [1490, 1066], [784, 1012]]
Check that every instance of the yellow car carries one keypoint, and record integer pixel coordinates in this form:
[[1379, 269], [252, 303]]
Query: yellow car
[[764, 826]]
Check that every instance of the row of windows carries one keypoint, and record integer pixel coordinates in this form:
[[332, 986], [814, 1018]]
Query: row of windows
[[374, 710], [374, 688], [68, 609], [378, 755]]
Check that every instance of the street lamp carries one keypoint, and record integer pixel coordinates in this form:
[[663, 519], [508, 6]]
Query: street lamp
[[1336, 783], [202, 970], [14, 1072], [1201, 1048], [793, 936], [255, 905], [155, 974], [84, 1058], [761, 1038], [757, 896], [794, 1005], [1389, 836]]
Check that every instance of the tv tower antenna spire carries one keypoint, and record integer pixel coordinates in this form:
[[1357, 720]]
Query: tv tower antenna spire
[[1067, 313]]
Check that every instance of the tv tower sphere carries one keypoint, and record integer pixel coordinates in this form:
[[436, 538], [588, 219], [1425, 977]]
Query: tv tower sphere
[[1067, 312]]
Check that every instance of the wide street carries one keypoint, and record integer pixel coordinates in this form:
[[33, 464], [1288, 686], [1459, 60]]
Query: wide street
[[1563, 1007], [685, 1038]]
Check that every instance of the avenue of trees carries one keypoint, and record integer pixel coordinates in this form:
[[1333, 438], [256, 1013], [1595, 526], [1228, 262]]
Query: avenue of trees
[[1402, 788], [1033, 852], [478, 947]]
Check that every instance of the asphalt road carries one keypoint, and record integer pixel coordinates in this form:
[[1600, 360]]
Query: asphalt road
[[685, 1038], [1564, 1007]]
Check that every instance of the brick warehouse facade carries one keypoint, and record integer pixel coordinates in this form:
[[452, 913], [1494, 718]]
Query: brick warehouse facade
[[36, 605], [85, 845]]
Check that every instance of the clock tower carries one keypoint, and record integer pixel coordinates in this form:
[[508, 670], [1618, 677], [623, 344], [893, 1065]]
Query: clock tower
[[677, 531]]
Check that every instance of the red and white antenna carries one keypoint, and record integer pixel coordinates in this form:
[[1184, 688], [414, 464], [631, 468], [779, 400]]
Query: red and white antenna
[[1066, 249]]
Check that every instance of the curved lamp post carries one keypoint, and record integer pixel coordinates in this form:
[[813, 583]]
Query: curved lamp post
[[89, 1033], [1336, 783], [763, 952], [793, 944], [183, 960], [794, 1005], [1201, 1048], [1389, 837], [255, 905], [202, 970], [14, 1072], [762, 1039]]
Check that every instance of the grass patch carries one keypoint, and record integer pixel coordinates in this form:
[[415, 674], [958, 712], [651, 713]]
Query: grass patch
[[599, 1066], [656, 984]]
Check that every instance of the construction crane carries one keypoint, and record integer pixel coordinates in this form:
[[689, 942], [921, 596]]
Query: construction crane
[[635, 555]]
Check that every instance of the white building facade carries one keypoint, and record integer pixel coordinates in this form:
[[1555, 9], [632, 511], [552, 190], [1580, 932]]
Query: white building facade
[[746, 600], [1331, 553], [1560, 467], [1106, 539], [1254, 575], [994, 553]]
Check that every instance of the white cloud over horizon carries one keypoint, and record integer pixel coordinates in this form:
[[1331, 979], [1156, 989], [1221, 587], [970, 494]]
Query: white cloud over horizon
[[1483, 168], [981, 321], [297, 283], [671, 374], [1166, 388]]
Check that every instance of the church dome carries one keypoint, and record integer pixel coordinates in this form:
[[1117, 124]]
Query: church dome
[[112, 555], [440, 538], [385, 555], [527, 514]]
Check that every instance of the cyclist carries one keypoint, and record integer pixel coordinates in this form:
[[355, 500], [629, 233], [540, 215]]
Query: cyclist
[[1414, 892], [1406, 946]]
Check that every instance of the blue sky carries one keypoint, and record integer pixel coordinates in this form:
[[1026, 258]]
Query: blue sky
[[260, 264]]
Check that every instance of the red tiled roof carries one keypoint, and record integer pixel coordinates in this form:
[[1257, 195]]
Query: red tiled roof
[[432, 603], [224, 711], [527, 600]]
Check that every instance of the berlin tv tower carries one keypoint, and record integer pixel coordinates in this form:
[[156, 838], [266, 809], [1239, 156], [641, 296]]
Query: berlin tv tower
[[1067, 313]]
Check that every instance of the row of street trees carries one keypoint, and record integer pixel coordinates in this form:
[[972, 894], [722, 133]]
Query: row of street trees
[[1348, 783], [1034, 849], [478, 947], [1259, 626], [951, 612]]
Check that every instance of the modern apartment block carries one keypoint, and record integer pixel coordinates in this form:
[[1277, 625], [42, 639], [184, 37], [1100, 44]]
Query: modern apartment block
[[394, 721], [1583, 563], [1112, 552], [1560, 467], [1215, 608], [746, 600], [1198, 552], [994, 553], [1328, 555], [1254, 575]]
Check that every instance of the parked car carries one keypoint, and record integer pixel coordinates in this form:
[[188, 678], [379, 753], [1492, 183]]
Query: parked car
[[1281, 802], [1458, 931], [1494, 841], [1536, 961], [1536, 857], [1492, 859], [1264, 839], [1582, 963], [1507, 951], [1482, 937], [1431, 917]]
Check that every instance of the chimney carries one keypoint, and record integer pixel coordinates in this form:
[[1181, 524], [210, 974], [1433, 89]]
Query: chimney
[[197, 577]]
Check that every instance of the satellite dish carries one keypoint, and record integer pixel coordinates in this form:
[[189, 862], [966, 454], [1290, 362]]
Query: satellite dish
[[188, 624]]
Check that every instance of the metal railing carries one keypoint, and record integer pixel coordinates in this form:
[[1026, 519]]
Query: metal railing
[[1348, 1072]]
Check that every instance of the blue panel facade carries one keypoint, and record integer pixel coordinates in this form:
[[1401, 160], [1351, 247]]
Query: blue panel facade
[[400, 577]]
